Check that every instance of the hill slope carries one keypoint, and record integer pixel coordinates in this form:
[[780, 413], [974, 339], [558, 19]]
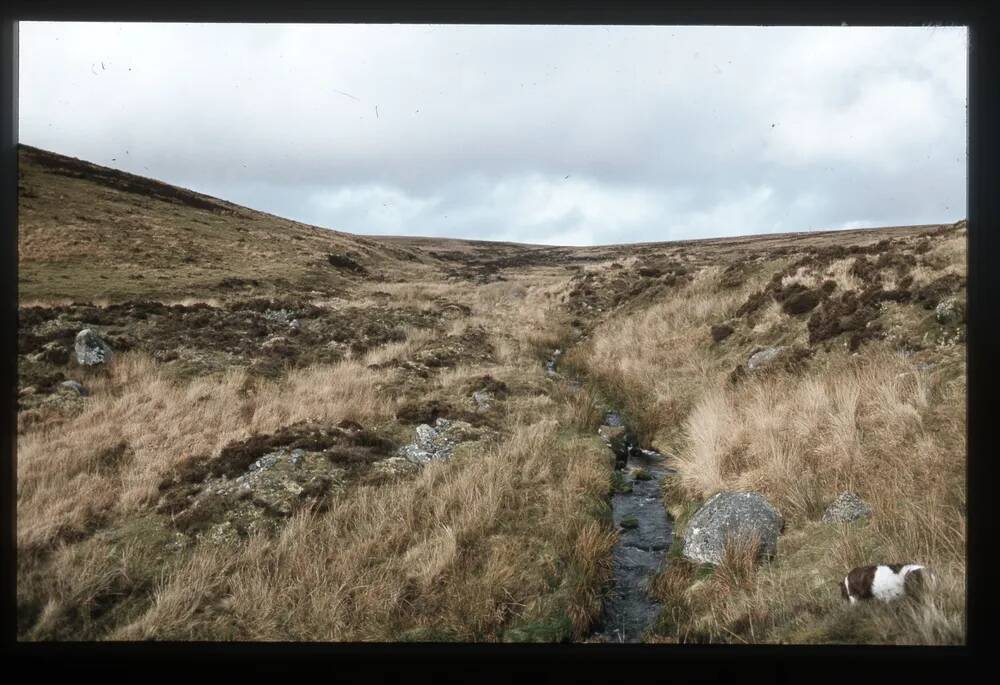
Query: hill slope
[[91, 232]]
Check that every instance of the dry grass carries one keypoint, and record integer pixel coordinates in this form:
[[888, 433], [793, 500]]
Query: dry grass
[[461, 551], [877, 424], [190, 301], [738, 568], [507, 540], [396, 351], [61, 488], [839, 271], [842, 427], [511, 538], [649, 363]]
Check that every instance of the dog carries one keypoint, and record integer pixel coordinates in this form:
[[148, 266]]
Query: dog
[[886, 582]]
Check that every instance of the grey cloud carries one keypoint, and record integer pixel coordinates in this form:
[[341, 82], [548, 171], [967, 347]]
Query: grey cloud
[[664, 132]]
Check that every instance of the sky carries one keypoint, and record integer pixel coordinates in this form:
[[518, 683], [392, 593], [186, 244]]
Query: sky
[[559, 135]]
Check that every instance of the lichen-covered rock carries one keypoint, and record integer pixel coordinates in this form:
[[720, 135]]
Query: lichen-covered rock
[[766, 357], [550, 364], [613, 419], [392, 467], [279, 316], [73, 387], [731, 515], [273, 487], [846, 508], [483, 399], [437, 441], [278, 481], [91, 350], [950, 312], [618, 440]]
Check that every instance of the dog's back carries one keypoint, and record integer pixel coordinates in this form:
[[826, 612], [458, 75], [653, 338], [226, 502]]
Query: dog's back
[[884, 581]]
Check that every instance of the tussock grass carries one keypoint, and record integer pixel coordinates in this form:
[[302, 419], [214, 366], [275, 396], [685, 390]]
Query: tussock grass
[[462, 551], [739, 564], [776, 434], [839, 271], [62, 490], [511, 538], [395, 351], [876, 424], [651, 362]]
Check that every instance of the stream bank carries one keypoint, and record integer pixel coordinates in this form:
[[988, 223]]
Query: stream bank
[[645, 531]]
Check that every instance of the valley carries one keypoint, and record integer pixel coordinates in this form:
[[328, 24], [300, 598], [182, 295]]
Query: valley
[[305, 434]]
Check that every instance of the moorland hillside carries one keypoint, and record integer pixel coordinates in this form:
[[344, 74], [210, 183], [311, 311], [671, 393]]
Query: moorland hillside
[[303, 434]]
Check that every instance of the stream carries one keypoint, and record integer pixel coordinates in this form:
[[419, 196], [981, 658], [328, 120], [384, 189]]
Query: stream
[[638, 555]]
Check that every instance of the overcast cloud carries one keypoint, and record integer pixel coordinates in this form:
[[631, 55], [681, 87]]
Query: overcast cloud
[[557, 135]]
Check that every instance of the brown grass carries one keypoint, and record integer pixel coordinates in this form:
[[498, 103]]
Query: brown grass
[[876, 423], [511, 538], [392, 561], [60, 489]]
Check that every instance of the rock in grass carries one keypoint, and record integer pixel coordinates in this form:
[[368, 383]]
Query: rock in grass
[[483, 399], [91, 350], [629, 522], [617, 438], [846, 508], [74, 387], [950, 312], [731, 515], [437, 441], [765, 357], [610, 433], [393, 466]]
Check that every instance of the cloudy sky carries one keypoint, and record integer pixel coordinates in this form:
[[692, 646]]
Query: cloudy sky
[[545, 134]]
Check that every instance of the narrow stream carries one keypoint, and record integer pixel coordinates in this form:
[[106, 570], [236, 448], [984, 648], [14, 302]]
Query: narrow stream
[[630, 610]]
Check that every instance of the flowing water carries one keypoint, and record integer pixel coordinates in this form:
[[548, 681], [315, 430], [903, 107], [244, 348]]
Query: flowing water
[[642, 546], [638, 556]]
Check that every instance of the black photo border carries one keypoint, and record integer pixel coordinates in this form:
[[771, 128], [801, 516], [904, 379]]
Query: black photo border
[[467, 662]]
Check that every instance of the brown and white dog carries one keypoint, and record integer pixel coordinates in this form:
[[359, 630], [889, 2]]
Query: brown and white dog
[[885, 582]]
